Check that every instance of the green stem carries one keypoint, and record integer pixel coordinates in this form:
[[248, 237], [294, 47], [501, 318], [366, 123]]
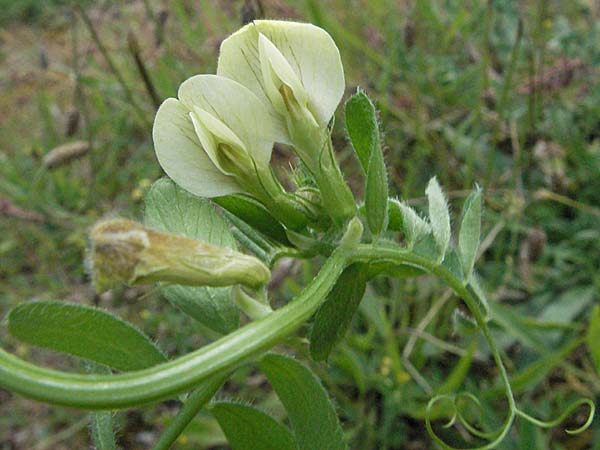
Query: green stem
[[265, 187], [194, 403], [176, 376], [336, 196], [212, 362], [313, 145]]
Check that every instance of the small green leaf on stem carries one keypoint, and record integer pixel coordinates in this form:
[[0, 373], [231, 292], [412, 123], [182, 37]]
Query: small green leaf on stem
[[254, 309], [171, 209], [394, 215], [254, 214], [439, 216], [311, 413], [334, 316], [353, 234], [414, 226], [85, 332], [248, 428], [362, 127], [376, 193], [470, 232]]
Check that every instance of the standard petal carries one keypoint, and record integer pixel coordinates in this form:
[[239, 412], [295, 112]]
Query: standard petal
[[257, 126], [309, 50], [182, 157]]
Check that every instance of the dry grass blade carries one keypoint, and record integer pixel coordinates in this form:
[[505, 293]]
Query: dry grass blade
[[63, 154]]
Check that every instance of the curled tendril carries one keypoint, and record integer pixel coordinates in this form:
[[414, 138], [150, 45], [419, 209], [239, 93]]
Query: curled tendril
[[465, 423], [566, 413], [451, 399], [494, 437], [472, 299]]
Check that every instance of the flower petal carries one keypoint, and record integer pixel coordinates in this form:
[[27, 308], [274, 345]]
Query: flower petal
[[206, 140], [212, 132], [309, 50], [222, 132], [276, 70], [253, 123], [181, 155]]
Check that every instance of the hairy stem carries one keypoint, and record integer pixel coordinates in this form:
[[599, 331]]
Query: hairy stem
[[176, 376], [194, 403], [215, 360]]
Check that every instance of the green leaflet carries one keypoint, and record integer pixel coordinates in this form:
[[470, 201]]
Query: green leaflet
[[394, 215], [254, 214], [309, 409], [213, 307], [363, 129], [439, 216], [248, 428], [593, 337], [84, 331], [170, 208], [334, 316], [470, 232], [376, 193], [415, 228]]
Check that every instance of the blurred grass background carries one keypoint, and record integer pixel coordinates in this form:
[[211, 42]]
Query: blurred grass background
[[501, 93]]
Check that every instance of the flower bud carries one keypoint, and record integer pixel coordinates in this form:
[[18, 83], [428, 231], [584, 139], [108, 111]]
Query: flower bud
[[126, 252]]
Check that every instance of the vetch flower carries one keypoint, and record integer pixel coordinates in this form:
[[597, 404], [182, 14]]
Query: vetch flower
[[278, 59], [126, 252], [296, 69], [216, 139]]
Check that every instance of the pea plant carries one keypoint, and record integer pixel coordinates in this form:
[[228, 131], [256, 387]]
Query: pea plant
[[276, 82]]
